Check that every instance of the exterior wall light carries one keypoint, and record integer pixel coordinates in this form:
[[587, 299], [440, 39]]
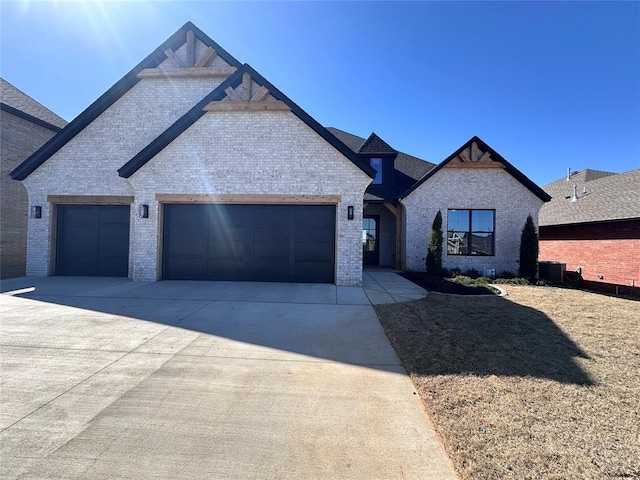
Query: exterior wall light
[[143, 212], [36, 211], [350, 212]]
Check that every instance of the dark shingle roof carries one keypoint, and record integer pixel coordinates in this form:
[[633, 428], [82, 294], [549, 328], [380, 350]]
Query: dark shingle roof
[[374, 145], [409, 169], [602, 197], [20, 101]]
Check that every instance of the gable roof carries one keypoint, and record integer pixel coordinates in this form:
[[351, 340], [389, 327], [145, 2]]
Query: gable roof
[[408, 169], [189, 118], [108, 98], [608, 197], [374, 145], [16, 102], [513, 171]]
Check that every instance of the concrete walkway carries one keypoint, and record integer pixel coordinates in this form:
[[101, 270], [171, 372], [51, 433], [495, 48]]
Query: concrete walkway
[[107, 378]]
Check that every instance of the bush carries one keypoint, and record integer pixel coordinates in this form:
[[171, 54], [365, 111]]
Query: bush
[[529, 250], [434, 249], [506, 274], [473, 273], [455, 272], [543, 283], [512, 281]]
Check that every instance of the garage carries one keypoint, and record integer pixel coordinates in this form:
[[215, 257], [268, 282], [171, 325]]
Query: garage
[[265, 243], [92, 240]]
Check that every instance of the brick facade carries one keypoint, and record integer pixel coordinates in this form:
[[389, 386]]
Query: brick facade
[[19, 139], [222, 153], [607, 253], [469, 188]]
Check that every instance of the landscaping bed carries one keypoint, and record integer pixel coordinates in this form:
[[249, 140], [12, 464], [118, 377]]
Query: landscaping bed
[[543, 383], [459, 285]]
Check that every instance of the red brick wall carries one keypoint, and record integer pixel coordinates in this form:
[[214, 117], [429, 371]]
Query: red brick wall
[[617, 261]]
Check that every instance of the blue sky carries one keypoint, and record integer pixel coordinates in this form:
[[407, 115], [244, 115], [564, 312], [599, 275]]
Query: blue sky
[[549, 85]]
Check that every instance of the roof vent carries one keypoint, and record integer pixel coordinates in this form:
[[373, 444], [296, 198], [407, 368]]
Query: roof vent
[[568, 173], [574, 197]]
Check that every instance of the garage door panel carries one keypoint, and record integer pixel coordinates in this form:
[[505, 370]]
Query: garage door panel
[[187, 240], [253, 242], [92, 240], [186, 268]]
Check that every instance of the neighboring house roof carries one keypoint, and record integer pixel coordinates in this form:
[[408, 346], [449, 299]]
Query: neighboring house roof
[[16, 102], [408, 169], [601, 197], [189, 118], [496, 157], [113, 94]]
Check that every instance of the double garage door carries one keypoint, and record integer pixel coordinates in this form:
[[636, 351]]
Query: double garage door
[[281, 243]]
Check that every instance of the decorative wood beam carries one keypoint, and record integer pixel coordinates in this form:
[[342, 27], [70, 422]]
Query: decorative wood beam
[[172, 56], [474, 152], [193, 72], [391, 208], [248, 198], [243, 106], [260, 94], [90, 199], [464, 157], [209, 55], [191, 49], [474, 165], [486, 157], [246, 87], [232, 94]]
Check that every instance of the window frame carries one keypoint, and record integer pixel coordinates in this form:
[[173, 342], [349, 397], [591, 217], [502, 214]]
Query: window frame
[[470, 232]]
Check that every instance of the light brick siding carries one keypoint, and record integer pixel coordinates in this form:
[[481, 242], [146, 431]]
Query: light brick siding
[[250, 153], [468, 188], [88, 164], [387, 240], [223, 152], [19, 139], [617, 261]]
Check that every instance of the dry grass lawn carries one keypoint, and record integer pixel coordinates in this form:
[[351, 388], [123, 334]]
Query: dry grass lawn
[[543, 383]]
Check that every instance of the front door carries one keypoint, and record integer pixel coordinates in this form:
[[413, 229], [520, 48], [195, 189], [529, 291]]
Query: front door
[[370, 239]]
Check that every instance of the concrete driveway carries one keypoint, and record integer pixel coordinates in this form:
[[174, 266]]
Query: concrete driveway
[[107, 378]]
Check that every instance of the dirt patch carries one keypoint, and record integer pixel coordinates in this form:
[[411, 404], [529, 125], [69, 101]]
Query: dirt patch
[[544, 383]]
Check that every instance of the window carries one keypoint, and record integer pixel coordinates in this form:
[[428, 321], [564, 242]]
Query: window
[[470, 232], [377, 164]]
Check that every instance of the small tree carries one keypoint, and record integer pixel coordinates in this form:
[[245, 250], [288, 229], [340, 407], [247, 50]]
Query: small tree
[[528, 250], [434, 250]]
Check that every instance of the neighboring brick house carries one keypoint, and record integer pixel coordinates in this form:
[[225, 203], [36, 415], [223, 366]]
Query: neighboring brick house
[[592, 224], [25, 126], [194, 166]]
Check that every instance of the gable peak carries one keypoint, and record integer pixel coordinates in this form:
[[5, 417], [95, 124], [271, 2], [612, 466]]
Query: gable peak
[[374, 145]]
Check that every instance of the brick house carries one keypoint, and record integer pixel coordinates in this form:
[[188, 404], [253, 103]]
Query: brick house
[[592, 224], [25, 126], [194, 166]]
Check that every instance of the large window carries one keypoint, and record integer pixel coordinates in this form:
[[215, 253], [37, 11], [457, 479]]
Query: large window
[[470, 232], [377, 164]]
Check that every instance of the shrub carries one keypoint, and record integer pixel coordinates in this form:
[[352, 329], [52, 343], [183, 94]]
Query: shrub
[[512, 281], [529, 250], [455, 272], [472, 273], [506, 274], [434, 249]]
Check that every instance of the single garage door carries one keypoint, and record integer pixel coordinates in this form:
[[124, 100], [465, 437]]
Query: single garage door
[[265, 243], [92, 240]]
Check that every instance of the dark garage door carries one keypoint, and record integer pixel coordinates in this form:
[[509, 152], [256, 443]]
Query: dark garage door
[[93, 240], [265, 243]]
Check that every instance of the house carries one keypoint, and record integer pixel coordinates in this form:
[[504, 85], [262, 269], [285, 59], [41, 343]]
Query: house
[[194, 166], [592, 225], [25, 126]]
